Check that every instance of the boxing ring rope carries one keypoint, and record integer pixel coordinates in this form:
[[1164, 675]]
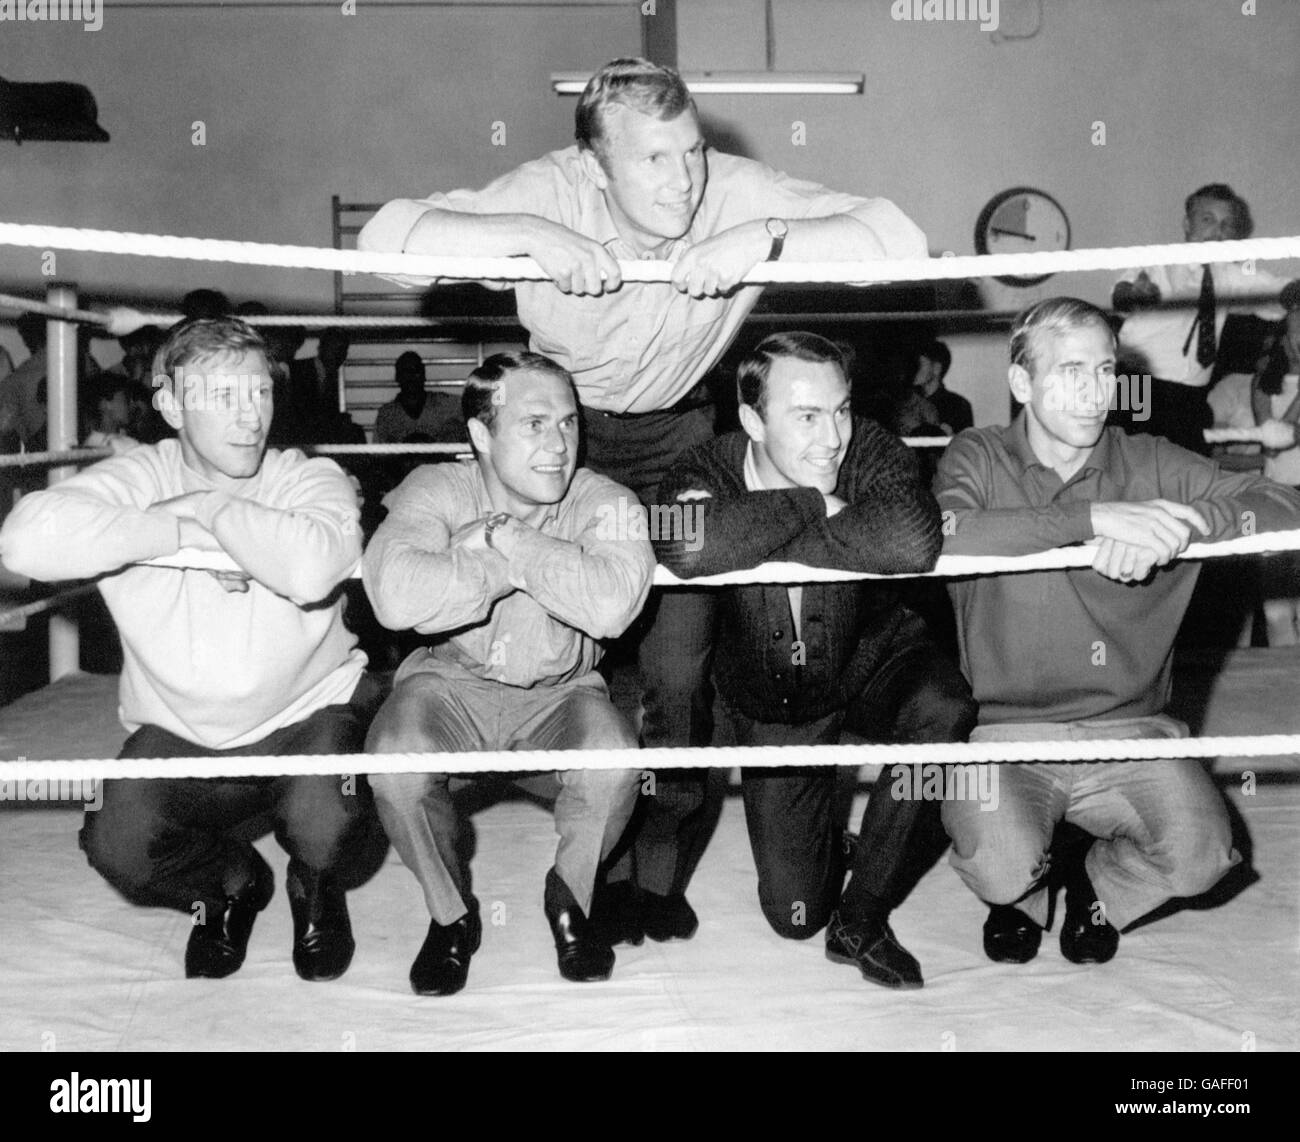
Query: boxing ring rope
[[525, 269], [62, 311], [651, 760]]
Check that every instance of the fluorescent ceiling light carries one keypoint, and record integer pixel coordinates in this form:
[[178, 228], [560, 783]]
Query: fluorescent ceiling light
[[740, 82]]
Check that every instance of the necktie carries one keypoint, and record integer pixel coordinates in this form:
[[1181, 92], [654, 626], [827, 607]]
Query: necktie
[[1203, 326]]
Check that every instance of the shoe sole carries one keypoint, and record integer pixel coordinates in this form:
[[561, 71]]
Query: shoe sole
[[900, 985]]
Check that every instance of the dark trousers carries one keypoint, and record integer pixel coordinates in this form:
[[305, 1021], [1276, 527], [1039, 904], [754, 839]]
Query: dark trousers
[[917, 695], [1179, 413], [167, 842], [674, 640]]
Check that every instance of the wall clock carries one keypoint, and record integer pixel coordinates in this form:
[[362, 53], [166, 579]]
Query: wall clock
[[1022, 221]]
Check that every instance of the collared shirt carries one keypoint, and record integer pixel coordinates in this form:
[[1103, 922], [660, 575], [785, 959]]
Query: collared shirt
[[531, 620], [645, 346], [1157, 339], [754, 483], [1070, 645]]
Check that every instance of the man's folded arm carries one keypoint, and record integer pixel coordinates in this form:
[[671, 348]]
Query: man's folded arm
[[302, 551], [731, 529], [417, 581], [1234, 504], [891, 524], [85, 527], [596, 583], [969, 528]]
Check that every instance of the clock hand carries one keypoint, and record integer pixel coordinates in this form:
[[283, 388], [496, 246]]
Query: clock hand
[[1013, 234]]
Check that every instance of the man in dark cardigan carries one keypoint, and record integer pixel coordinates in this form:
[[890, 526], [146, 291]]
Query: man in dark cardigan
[[798, 664]]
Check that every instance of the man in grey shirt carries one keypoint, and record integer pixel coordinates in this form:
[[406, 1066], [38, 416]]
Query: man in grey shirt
[[520, 563]]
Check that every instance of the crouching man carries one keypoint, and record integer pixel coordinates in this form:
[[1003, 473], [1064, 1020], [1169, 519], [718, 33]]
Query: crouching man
[[799, 663], [511, 560], [1076, 655], [220, 663]]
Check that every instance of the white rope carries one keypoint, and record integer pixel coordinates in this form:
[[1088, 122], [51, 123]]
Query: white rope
[[525, 269], [49, 459], [651, 760], [947, 567], [44, 309], [390, 449]]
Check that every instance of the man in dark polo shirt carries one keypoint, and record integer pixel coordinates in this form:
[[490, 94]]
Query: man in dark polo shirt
[[798, 663], [1084, 654]]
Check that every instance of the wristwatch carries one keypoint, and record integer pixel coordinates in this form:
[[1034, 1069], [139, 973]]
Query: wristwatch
[[778, 229], [494, 521]]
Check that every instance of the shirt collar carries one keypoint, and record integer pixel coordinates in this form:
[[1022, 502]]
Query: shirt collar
[[1017, 441], [484, 505]]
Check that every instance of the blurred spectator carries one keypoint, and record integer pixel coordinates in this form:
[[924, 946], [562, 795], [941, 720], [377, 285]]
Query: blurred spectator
[[1275, 400], [22, 415], [1178, 349], [312, 415], [106, 413], [433, 417], [205, 303]]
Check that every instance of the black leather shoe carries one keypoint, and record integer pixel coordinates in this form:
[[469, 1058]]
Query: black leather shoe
[[616, 914], [322, 933], [217, 947], [1082, 940], [667, 917], [871, 946], [442, 967], [582, 955], [1010, 937]]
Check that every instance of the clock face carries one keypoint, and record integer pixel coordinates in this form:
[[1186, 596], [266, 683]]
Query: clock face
[[1022, 221]]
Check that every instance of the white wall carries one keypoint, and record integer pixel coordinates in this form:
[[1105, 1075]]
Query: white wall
[[304, 102]]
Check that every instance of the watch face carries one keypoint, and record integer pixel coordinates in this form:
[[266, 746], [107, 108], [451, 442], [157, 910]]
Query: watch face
[[1022, 221], [777, 227]]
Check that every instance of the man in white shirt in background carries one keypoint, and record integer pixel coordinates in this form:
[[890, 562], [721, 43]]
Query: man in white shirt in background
[[1177, 346]]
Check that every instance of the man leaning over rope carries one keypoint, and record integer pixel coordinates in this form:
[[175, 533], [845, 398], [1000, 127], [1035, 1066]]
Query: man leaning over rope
[[220, 663], [642, 183], [1084, 654]]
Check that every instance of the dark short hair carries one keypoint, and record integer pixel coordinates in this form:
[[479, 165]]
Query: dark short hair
[[409, 364], [636, 83], [204, 338], [477, 400], [205, 303], [752, 372], [1222, 192], [1053, 315], [938, 351]]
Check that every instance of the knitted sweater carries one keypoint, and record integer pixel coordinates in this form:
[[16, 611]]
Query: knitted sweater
[[220, 668], [891, 526]]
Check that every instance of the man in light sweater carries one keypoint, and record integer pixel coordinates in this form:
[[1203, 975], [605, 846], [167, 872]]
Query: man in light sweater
[[517, 564], [219, 663]]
